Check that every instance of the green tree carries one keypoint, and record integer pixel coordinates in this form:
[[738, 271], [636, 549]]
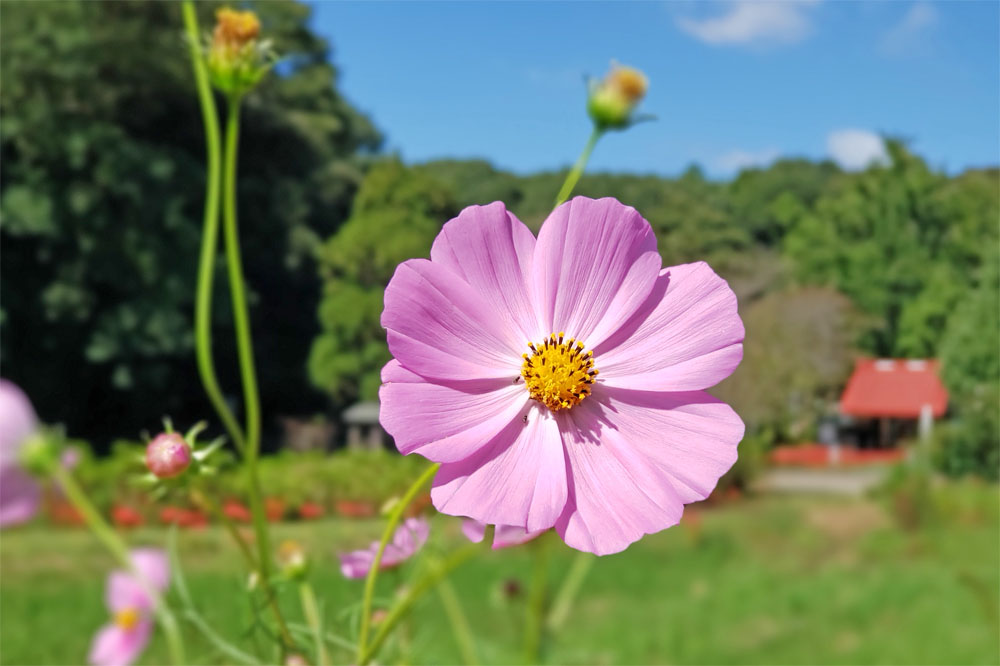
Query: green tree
[[101, 200], [397, 213], [896, 240]]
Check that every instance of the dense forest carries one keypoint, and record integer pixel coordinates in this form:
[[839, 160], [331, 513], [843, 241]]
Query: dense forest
[[101, 197]]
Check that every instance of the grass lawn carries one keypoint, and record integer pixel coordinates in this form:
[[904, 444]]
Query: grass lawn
[[768, 580]]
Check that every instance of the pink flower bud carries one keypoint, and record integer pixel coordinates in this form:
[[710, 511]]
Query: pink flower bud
[[168, 455]]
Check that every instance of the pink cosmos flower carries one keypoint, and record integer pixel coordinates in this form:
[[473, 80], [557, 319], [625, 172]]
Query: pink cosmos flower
[[20, 494], [504, 536], [560, 380], [121, 642], [406, 541]]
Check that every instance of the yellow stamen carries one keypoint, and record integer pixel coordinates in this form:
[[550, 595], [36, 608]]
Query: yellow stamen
[[558, 373], [127, 618]]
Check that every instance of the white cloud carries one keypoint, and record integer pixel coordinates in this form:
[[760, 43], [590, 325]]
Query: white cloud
[[741, 159], [758, 23], [855, 149], [910, 33]]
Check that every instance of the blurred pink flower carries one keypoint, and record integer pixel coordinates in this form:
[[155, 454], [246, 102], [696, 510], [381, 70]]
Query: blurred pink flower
[[503, 537], [121, 642], [498, 341], [406, 541], [20, 494]]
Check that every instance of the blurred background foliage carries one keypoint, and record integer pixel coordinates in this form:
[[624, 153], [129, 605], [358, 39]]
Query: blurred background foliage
[[101, 206]]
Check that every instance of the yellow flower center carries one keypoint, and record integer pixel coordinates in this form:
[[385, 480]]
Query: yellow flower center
[[127, 618], [558, 374]]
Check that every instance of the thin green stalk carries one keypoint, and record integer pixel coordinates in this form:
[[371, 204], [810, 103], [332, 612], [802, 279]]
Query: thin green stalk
[[421, 587], [244, 346], [394, 517], [459, 622], [535, 616], [107, 536], [311, 611], [577, 170], [210, 233], [570, 588]]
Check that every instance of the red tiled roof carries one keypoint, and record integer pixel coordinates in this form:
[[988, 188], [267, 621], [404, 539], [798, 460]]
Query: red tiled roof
[[896, 388]]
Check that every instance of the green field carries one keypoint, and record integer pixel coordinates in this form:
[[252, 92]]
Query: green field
[[765, 580]]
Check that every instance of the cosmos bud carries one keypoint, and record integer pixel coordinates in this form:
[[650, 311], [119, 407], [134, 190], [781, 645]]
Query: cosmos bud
[[236, 58], [613, 99], [168, 455], [293, 560]]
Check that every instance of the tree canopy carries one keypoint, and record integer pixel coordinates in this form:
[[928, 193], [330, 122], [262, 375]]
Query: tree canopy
[[101, 202]]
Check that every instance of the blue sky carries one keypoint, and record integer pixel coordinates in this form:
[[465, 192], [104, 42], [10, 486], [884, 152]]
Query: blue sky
[[732, 83]]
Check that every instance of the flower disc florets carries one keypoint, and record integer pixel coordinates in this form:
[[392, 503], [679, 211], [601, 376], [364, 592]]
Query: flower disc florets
[[558, 373]]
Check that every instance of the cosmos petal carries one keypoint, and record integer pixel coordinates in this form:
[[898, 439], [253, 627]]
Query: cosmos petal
[[518, 478], [636, 457], [17, 420], [20, 495], [116, 646], [692, 337], [440, 328], [491, 250], [503, 537], [445, 421], [595, 263]]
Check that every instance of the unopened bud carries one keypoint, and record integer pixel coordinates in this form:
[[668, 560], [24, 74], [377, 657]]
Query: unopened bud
[[293, 560], [296, 660], [613, 99], [168, 455], [235, 28], [237, 59]]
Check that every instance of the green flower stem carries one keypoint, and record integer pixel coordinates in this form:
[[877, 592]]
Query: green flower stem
[[311, 611], [437, 573], [394, 517], [459, 622], [535, 616], [569, 589], [248, 373], [574, 175], [107, 536], [210, 234]]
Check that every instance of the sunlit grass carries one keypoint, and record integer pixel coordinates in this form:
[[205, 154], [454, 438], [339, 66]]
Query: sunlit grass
[[768, 580]]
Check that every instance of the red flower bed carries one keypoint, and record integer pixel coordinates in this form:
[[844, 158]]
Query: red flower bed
[[274, 509], [61, 512], [172, 515], [236, 511], [818, 455], [310, 511], [355, 509], [126, 517]]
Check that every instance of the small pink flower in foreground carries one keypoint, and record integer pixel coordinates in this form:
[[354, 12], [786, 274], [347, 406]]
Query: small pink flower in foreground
[[503, 537], [168, 455], [20, 494], [407, 540], [561, 380], [121, 642]]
